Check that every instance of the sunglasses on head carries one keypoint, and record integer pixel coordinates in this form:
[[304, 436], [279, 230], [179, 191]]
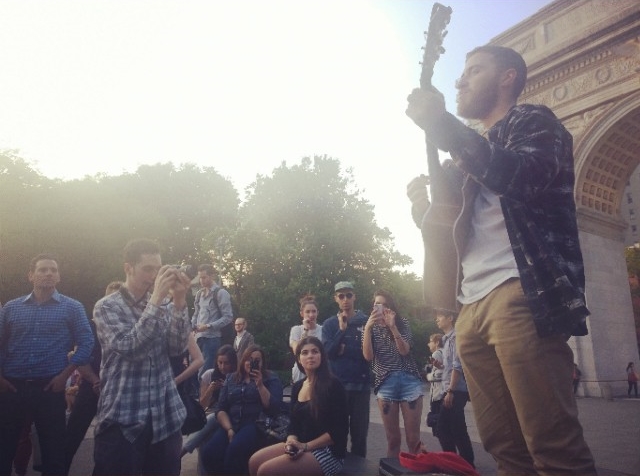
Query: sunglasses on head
[[341, 296]]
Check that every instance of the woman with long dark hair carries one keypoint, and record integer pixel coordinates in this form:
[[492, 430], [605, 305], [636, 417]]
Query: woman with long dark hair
[[245, 394], [210, 387], [387, 345], [317, 440]]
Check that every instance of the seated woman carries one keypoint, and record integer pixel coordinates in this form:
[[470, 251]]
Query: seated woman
[[210, 386], [245, 394], [317, 441]]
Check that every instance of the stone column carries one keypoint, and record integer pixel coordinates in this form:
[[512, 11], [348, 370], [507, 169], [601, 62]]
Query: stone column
[[603, 354]]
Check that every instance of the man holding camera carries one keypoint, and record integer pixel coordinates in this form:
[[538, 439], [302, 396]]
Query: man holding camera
[[140, 412]]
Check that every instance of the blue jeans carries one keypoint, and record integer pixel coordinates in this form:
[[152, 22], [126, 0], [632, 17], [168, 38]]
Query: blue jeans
[[114, 454], [400, 387], [221, 456], [209, 347], [195, 439], [48, 411]]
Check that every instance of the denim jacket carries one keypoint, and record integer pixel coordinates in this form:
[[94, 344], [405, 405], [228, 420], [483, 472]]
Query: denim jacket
[[241, 400]]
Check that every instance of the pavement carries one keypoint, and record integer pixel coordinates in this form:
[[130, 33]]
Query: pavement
[[611, 429]]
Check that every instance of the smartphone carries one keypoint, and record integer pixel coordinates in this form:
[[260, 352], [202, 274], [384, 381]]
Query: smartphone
[[254, 365], [380, 309], [291, 450]]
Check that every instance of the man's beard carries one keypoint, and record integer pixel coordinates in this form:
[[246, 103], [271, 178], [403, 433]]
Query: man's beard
[[478, 105]]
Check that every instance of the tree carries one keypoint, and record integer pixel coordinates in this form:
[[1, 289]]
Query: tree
[[301, 230], [190, 200], [632, 255], [87, 222], [21, 187]]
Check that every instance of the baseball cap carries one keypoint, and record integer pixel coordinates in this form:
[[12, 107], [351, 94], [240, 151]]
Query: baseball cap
[[343, 285]]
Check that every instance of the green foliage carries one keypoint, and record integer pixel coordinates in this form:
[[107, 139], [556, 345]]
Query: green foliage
[[299, 231], [87, 222], [632, 255]]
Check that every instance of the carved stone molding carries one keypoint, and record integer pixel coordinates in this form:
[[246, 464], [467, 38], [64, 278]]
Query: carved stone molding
[[578, 25], [581, 77], [605, 171], [597, 224], [579, 123]]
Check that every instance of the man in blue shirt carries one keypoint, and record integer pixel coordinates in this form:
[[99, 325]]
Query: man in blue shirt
[[36, 333], [342, 337]]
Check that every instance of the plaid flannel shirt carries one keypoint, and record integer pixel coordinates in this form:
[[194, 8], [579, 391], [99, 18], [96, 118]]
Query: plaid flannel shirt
[[137, 382], [528, 162]]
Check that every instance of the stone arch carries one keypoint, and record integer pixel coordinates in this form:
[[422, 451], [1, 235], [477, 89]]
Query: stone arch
[[606, 156]]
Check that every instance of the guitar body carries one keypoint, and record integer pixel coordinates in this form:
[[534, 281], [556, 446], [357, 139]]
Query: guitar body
[[440, 258]]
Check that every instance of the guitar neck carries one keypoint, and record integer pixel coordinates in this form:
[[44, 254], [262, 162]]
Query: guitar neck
[[440, 16]]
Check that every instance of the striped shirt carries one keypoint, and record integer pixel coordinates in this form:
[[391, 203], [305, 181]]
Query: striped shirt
[[137, 386], [386, 357], [35, 338]]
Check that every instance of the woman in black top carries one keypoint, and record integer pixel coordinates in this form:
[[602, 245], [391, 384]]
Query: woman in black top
[[317, 440]]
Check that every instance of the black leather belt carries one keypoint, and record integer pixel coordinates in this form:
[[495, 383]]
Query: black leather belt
[[29, 382]]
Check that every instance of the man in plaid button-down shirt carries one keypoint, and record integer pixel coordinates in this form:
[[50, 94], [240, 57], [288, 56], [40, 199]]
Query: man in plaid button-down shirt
[[520, 270], [140, 412]]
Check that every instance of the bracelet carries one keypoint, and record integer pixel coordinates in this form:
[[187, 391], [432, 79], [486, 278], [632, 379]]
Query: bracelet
[[397, 336]]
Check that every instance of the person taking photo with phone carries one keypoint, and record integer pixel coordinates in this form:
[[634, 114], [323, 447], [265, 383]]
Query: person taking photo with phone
[[210, 387], [397, 381], [245, 394]]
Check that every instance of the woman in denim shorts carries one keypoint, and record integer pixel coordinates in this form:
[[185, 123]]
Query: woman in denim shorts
[[398, 384]]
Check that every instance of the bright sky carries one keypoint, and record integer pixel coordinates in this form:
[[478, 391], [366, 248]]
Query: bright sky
[[104, 86]]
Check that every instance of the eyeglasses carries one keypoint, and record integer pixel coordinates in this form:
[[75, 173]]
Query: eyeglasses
[[342, 296]]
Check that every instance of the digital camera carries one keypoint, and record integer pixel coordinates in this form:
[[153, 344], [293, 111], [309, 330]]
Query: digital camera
[[190, 270]]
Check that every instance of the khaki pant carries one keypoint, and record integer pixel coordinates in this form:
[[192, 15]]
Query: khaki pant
[[520, 387]]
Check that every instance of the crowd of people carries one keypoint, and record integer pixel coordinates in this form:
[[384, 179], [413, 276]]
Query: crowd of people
[[519, 295], [132, 364]]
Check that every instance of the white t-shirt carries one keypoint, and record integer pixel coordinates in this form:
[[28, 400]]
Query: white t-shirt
[[488, 259]]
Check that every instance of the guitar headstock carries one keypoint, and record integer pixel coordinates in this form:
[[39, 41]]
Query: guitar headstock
[[440, 17]]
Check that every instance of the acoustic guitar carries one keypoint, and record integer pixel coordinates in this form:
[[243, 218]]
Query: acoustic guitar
[[440, 261]]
